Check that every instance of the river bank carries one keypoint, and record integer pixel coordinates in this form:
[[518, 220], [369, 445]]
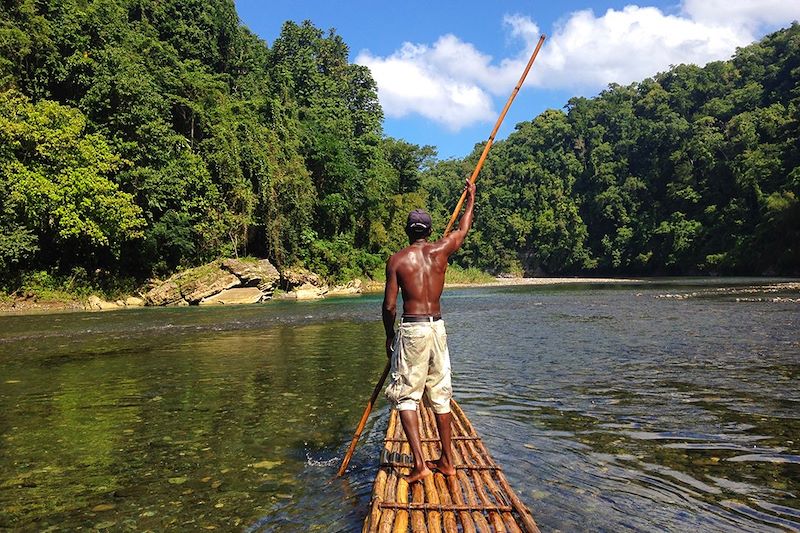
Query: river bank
[[31, 304]]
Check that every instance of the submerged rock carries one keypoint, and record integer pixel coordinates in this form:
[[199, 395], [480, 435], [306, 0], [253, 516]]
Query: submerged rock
[[268, 465], [103, 507]]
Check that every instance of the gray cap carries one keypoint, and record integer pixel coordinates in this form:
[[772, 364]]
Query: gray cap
[[419, 220]]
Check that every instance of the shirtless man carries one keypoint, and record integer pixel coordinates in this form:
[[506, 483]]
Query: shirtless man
[[418, 350]]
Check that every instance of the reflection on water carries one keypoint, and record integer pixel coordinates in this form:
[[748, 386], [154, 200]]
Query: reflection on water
[[610, 407]]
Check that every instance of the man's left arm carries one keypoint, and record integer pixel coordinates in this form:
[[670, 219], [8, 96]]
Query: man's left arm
[[390, 306]]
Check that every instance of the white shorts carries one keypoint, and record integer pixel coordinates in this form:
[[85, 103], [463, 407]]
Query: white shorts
[[420, 364]]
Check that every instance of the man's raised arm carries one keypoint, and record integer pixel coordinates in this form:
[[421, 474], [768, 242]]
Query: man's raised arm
[[390, 305], [455, 239]]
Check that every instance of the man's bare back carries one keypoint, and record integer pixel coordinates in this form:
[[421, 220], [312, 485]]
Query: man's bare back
[[418, 270]]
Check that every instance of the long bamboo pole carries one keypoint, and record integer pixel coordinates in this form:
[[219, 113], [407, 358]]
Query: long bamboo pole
[[489, 142], [456, 211], [363, 421]]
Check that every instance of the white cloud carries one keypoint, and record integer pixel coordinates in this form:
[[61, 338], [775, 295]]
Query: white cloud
[[421, 79], [747, 13], [452, 82], [628, 45]]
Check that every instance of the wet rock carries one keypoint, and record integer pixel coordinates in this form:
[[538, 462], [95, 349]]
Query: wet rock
[[268, 465], [177, 480], [103, 507]]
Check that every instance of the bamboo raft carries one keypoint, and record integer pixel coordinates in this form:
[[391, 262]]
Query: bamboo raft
[[477, 499]]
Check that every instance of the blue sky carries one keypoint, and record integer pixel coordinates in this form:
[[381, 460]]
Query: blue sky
[[445, 69]]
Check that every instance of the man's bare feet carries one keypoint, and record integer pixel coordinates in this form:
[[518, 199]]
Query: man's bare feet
[[417, 475], [440, 465]]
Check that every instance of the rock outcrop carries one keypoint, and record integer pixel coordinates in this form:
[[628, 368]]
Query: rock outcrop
[[261, 274], [242, 281], [167, 293], [351, 288], [95, 303], [208, 284], [239, 295], [302, 284], [218, 282], [133, 301]]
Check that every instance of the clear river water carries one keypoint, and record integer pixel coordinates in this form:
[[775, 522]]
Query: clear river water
[[663, 406]]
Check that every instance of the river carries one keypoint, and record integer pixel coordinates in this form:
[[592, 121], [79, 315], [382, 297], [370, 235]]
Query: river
[[662, 406]]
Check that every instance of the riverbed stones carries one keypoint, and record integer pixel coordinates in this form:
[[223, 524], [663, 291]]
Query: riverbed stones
[[267, 465], [103, 507]]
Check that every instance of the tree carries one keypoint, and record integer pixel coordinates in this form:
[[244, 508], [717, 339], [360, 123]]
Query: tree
[[57, 178]]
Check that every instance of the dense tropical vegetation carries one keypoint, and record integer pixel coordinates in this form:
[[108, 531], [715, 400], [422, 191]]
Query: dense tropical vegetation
[[696, 170], [138, 137]]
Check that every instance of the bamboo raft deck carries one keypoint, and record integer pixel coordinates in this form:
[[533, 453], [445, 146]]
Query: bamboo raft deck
[[477, 499]]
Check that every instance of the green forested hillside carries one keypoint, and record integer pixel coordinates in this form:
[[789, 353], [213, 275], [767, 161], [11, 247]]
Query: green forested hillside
[[696, 170], [142, 136], [139, 136]]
